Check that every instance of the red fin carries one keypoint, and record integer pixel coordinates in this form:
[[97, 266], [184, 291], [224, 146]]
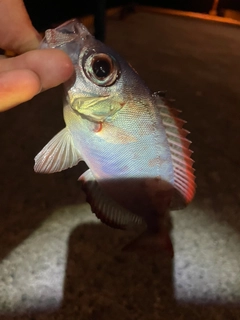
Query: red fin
[[184, 179], [152, 243]]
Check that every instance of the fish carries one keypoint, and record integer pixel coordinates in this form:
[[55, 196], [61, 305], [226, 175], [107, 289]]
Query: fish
[[132, 140]]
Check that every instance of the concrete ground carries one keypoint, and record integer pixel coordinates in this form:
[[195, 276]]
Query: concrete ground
[[59, 262]]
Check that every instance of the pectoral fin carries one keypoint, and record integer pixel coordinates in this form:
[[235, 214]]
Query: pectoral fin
[[59, 154], [105, 208]]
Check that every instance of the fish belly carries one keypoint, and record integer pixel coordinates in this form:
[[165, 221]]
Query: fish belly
[[135, 174]]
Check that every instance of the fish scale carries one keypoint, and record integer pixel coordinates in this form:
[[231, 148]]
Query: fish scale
[[147, 145]]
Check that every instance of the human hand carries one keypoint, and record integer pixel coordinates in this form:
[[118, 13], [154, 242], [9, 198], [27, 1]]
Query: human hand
[[32, 71]]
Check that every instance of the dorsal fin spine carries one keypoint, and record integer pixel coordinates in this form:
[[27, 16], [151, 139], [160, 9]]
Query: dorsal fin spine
[[179, 146]]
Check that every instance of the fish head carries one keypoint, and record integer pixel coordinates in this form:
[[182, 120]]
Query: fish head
[[103, 81]]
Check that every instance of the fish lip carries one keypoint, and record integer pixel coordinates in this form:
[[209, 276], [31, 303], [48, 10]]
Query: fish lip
[[76, 27], [72, 28]]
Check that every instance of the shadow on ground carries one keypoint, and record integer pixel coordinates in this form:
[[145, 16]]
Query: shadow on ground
[[27, 198], [101, 282]]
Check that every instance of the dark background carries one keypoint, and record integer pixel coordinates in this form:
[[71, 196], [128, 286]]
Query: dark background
[[45, 12]]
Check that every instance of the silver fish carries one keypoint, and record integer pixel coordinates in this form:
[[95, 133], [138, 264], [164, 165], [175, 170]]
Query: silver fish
[[139, 161]]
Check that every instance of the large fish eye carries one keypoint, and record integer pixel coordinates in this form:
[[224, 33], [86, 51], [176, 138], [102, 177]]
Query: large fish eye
[[101, 69]]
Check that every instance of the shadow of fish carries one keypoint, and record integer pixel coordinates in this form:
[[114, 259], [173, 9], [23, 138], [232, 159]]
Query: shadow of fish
[[139, 161]]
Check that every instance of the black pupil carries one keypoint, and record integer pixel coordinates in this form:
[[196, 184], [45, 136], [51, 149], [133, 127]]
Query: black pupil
[[101, 68]]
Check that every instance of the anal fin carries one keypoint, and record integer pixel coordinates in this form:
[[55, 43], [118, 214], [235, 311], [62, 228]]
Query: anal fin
[[105, 208]]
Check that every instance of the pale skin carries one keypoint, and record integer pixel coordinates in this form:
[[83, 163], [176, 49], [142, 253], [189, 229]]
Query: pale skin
[[32, 70]]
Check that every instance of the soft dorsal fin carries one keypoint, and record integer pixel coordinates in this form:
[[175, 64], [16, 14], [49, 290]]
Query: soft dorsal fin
[[105, 208], [59, 154], [184, 179]]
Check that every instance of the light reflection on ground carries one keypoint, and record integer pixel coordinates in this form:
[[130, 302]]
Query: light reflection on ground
[[206, 265], [32, 275]]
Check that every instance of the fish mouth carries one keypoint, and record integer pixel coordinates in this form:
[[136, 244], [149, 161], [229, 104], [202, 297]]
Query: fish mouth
[[68, 32]]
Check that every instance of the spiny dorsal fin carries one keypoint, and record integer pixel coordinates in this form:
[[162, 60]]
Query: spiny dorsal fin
[[106, 209], [59, 154], [184, 179]]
